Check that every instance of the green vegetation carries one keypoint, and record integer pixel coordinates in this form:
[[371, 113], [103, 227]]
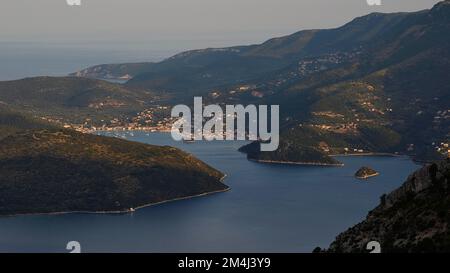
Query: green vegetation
[[73, 100], [289, 152], [45, 171], [388, 99], [378, 84], [12, 122]]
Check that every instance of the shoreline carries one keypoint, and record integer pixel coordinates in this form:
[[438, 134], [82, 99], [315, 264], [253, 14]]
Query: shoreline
[[117, 212], [420, 162], [297, 163], [327, 164], [366, 154], [367, 176]]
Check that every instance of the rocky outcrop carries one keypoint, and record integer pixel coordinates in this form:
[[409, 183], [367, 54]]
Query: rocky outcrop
[[413, 218], [365, 173]]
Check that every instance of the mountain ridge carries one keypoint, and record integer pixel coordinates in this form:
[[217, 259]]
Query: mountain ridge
[[368, 85], [274, 48]]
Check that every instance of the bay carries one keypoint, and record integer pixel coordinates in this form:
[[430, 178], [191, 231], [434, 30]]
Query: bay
[[270, 208]]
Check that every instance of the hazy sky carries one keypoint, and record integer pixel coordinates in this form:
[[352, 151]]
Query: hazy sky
[[179, 23]]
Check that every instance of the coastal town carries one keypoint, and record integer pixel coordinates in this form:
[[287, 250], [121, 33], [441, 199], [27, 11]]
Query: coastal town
[[156, 119]]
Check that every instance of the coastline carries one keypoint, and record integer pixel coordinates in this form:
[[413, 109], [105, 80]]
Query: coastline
[[297, 163], [413, 158], [367, 176], [327, 164], [112, 212], [366, 154]]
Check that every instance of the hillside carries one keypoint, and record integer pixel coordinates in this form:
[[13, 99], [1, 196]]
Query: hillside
[[200, 71], [392, 98], [414, 218], [289, 152], [378, 84], [51, 170], [46, 169], [73, 100], [12, 122]]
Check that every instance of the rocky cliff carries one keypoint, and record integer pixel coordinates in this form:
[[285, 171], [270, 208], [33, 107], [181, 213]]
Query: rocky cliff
[[413, 218]]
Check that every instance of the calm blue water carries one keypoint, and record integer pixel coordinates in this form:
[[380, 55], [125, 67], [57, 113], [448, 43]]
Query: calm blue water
[[271, 208]]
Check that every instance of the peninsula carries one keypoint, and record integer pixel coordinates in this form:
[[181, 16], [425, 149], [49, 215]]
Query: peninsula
[[44, 169]]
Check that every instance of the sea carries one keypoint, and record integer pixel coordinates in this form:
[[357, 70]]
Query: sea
[[270, 208]]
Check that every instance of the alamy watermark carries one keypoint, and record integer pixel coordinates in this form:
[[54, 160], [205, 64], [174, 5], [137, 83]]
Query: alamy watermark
[[74, 247], [213, 123], [73, 2], [374, 247], [374, 2]]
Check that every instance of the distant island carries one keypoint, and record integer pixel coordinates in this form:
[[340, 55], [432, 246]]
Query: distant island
[[365, 173], [45, 169]]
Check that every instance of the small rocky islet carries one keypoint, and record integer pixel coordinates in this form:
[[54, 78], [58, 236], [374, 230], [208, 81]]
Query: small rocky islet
[[365, 173]]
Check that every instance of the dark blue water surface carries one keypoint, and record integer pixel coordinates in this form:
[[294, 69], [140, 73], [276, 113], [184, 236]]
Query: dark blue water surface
[[271, 208]]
